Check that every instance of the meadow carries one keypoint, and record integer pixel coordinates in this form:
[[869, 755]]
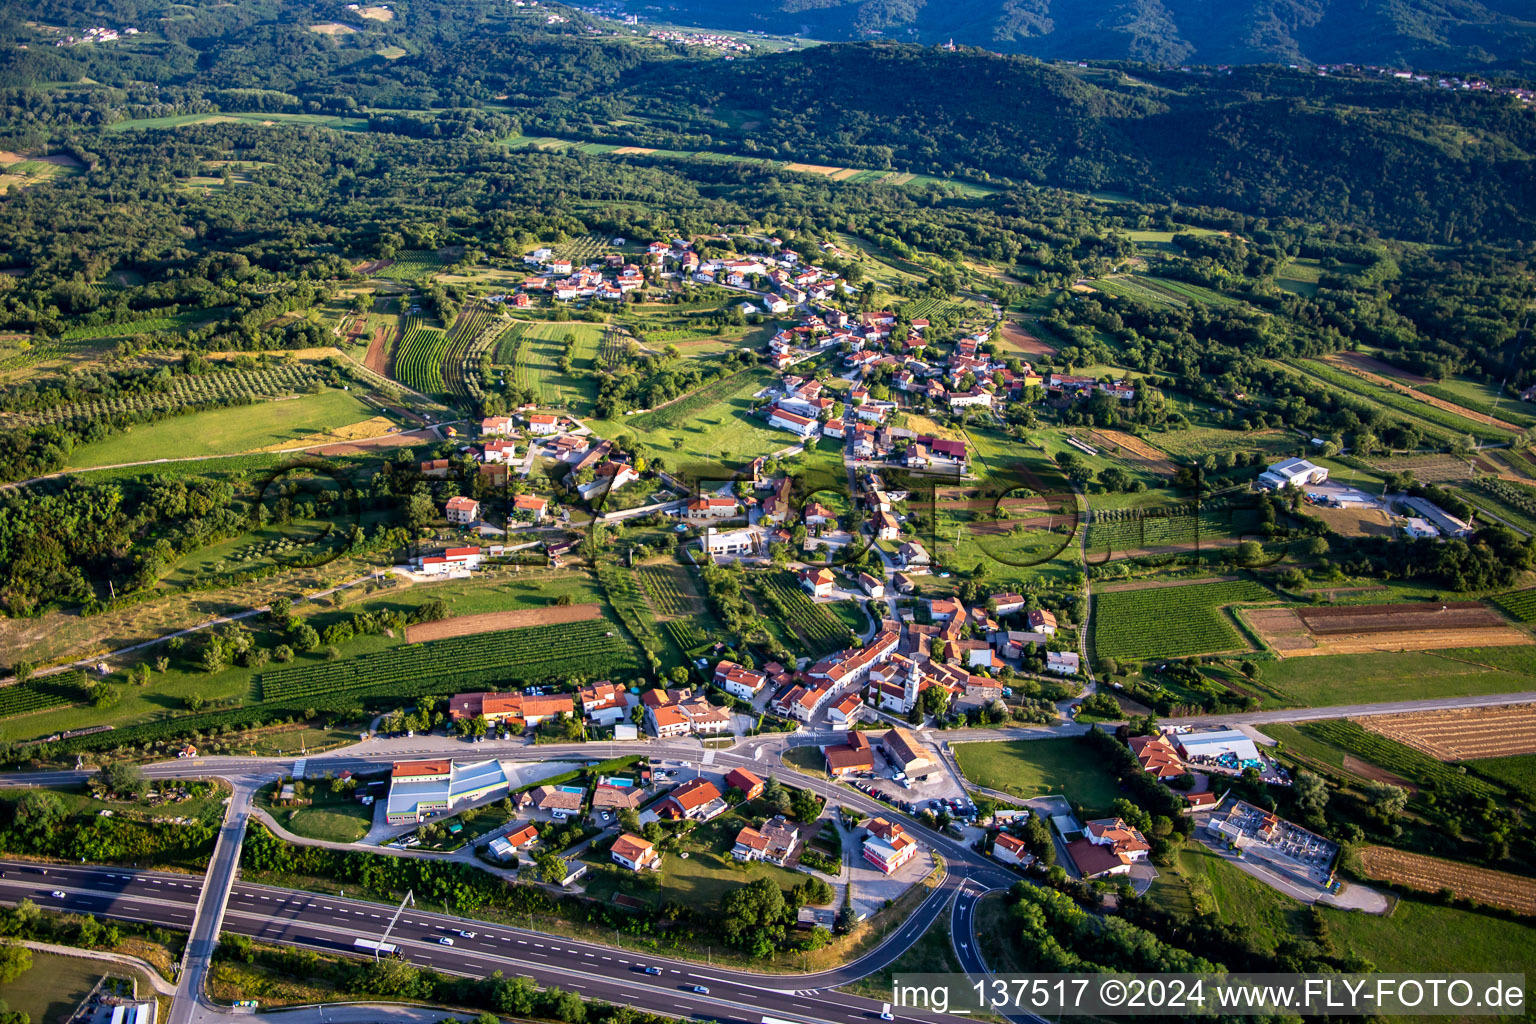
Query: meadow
[[1399, 675], [711, 424], [1030, 768], [242, 428], [1415, 936]]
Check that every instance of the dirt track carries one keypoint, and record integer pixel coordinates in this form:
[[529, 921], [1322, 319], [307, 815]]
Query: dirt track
[[491, 622]]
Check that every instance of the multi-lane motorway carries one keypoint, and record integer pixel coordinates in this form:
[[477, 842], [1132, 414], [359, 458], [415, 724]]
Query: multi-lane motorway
[[329, 923], [333, 923]]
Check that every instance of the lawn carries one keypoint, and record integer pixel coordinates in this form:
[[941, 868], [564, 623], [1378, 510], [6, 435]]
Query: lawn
[[1030, 768], [700, 880], [1399, 675], [51, 989], [226, 431], [348, 124], [335, 817]]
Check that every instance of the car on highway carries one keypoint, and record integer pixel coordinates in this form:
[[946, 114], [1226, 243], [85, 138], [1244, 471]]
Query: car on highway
[[885, 1012], [58, 894], [651, 970], [466, 934], [445, 941], [702, 990]]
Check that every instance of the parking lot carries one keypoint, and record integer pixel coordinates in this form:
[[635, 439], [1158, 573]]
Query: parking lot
[[1284, 846], [920, 795]]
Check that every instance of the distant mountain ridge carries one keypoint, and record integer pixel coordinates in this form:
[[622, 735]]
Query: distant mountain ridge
[[1437, 34]]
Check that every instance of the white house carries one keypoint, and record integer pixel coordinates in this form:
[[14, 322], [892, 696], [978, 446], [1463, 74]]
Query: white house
[[1062, 663], [803, 426], [543, 423], [730, 542]]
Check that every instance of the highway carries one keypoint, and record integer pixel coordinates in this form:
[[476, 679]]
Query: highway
[[332, 923]]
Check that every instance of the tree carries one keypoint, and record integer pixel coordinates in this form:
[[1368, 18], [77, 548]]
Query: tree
[[754, 915], [1385, 799], [38, 813], [120, 778], [552, 867], [15, 960], [1311, 792]]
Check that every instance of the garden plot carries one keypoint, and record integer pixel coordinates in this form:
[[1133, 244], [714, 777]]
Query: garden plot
[[491, 622]]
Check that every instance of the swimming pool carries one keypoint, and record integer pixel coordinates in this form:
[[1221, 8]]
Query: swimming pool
[[573, 789], [616, 782]]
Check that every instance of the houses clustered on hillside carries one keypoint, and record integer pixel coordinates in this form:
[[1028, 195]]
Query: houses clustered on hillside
[[608, 279], [709, 40], [968, 376], [904, 659]]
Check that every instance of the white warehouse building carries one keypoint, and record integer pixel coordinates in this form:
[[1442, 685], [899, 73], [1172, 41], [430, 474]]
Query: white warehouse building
[[1292, 473], [1215, 742]]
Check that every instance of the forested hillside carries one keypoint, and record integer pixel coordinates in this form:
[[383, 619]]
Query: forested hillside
[[1419, 33], [1398, 157]]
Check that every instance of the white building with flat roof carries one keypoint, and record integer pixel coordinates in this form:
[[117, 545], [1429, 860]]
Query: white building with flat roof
[[1214, 743], [1291, 473]]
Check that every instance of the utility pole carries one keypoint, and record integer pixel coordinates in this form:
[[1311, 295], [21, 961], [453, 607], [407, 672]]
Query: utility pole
[[410, 898]]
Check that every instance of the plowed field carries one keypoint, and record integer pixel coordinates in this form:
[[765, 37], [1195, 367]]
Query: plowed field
[[1363, 629], [1431, 874], [1462, 734], [491, 622]]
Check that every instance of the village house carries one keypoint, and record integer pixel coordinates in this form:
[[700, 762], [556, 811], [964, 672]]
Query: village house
[[845, 712], [695, 800], [1042, 621], [499, 426], [498, 452], [1006, 604], [743, 683], [1062, 663], [730, 542], [1012, 850], [1109, 847], [451, 560], [887, 845], [750, 786], [634, 853], [851, 757], [1157, 756], [462, 511], [711, 507], [872, 586], [530, 504], [434, 469], [818, 582], [543, 424], [559, 802]]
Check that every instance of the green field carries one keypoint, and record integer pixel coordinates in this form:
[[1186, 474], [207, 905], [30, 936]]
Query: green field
[[537, 368], [1299, 277], [1171, 622], [1517, 772], [1399, 675], [1029, 768], [713, 423], [333, 817], [1415, 936], [52, 987], [1160, 291], [226, 431], [346, 124]]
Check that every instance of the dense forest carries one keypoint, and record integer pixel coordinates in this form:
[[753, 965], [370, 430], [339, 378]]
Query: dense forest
[[1402, 158], [1490, 33]]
